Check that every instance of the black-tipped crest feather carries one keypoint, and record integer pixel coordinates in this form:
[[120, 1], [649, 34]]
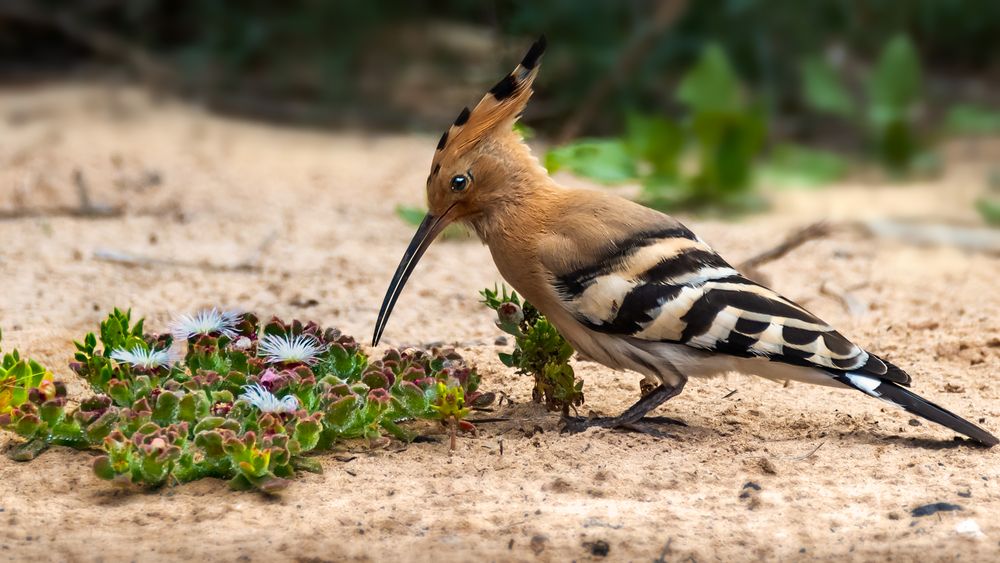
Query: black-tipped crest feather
[[534, 53], [503, 89]]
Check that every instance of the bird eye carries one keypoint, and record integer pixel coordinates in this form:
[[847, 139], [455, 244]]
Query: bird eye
[[459, 183]]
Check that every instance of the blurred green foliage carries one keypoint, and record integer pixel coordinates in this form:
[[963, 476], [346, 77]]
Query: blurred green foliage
[[415, 215], [235, 52], [720, 127], [989, 209], [842, 73], [972, 119], [891, 105], [799, 166]]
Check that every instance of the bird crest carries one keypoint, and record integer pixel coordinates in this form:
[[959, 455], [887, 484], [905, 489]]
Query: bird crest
[[498, 110]]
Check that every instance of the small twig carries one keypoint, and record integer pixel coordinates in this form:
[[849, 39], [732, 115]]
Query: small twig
[[250, 264], [730, 394], [488, 420], [666, 551], [808, 455], [981, 239], [851, 303], [85, 208], [750, 266], [453, 430]]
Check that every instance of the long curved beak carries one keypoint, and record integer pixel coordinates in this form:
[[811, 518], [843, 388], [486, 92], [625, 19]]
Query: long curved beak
[[428, 230]]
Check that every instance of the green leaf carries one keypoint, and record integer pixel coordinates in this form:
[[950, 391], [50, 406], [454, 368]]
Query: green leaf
[[712, 85], [822, 89], [28, 450], [727, 145], [989, 210], [415, 215], [967, 119], [657, 141], [798, 166], [103, 468], [307, 464], [166, 409], [412, 215], [895, 85], [607, 161]]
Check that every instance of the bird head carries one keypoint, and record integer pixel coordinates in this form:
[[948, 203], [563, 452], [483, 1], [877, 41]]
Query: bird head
[[476, 161]]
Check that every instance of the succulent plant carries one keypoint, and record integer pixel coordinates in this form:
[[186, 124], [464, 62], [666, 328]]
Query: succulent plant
[[247, 401], [18, 376], [539, 350]]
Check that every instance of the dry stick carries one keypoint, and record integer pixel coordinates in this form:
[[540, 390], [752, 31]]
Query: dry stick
[[250, 264], [85, 208], [814, 231], [980, 239], [453, 426], [851, 303], [488, 420], [808, 455], [667, 13]]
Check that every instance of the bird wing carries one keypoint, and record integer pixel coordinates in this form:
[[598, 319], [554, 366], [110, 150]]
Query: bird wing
[[667, 285]]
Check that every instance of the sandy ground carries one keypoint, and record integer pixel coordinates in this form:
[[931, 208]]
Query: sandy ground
[[838, 473]]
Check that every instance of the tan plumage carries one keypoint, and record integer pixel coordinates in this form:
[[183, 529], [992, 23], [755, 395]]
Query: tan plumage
[[629, 287]]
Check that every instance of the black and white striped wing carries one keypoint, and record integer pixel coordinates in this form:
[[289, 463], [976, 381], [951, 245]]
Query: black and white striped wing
[[670, 286]]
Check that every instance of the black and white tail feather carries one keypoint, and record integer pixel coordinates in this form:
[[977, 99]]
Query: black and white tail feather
[[673, 302], [915, 404]]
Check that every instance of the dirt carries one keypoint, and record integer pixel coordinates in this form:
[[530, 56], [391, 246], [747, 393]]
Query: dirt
[[761, 471]]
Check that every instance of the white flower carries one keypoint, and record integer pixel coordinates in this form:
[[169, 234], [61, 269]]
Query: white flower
[[266, 401], [301, 348], [207, 321], [140, 357]]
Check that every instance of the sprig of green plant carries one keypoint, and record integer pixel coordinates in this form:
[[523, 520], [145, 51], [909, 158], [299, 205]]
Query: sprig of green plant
[[539, 350], [236, 406]]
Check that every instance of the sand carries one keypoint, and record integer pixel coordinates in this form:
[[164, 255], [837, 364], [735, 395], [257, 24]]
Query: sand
[[761, 471]]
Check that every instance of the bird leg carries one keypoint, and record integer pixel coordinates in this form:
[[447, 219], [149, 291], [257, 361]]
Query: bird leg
[[628, 420]]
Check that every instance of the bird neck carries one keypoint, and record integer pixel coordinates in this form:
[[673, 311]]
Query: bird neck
[[520, 205]]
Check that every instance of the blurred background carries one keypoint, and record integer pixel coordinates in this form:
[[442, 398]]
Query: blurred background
[[696, 102]]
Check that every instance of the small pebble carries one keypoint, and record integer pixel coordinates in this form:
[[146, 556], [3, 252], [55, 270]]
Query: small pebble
[[969, 528]]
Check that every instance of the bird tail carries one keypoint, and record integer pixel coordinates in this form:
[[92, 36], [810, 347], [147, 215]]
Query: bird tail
[[913, 403]]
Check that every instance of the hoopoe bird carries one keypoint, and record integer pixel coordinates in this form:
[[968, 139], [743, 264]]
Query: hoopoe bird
[[627, 286]]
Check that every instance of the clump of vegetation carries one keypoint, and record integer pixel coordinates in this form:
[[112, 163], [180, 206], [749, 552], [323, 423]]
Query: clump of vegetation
[[539, 350], [247, 401], [722, 128]]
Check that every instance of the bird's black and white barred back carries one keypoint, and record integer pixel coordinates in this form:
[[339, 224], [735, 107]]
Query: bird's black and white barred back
[[670, 286]]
